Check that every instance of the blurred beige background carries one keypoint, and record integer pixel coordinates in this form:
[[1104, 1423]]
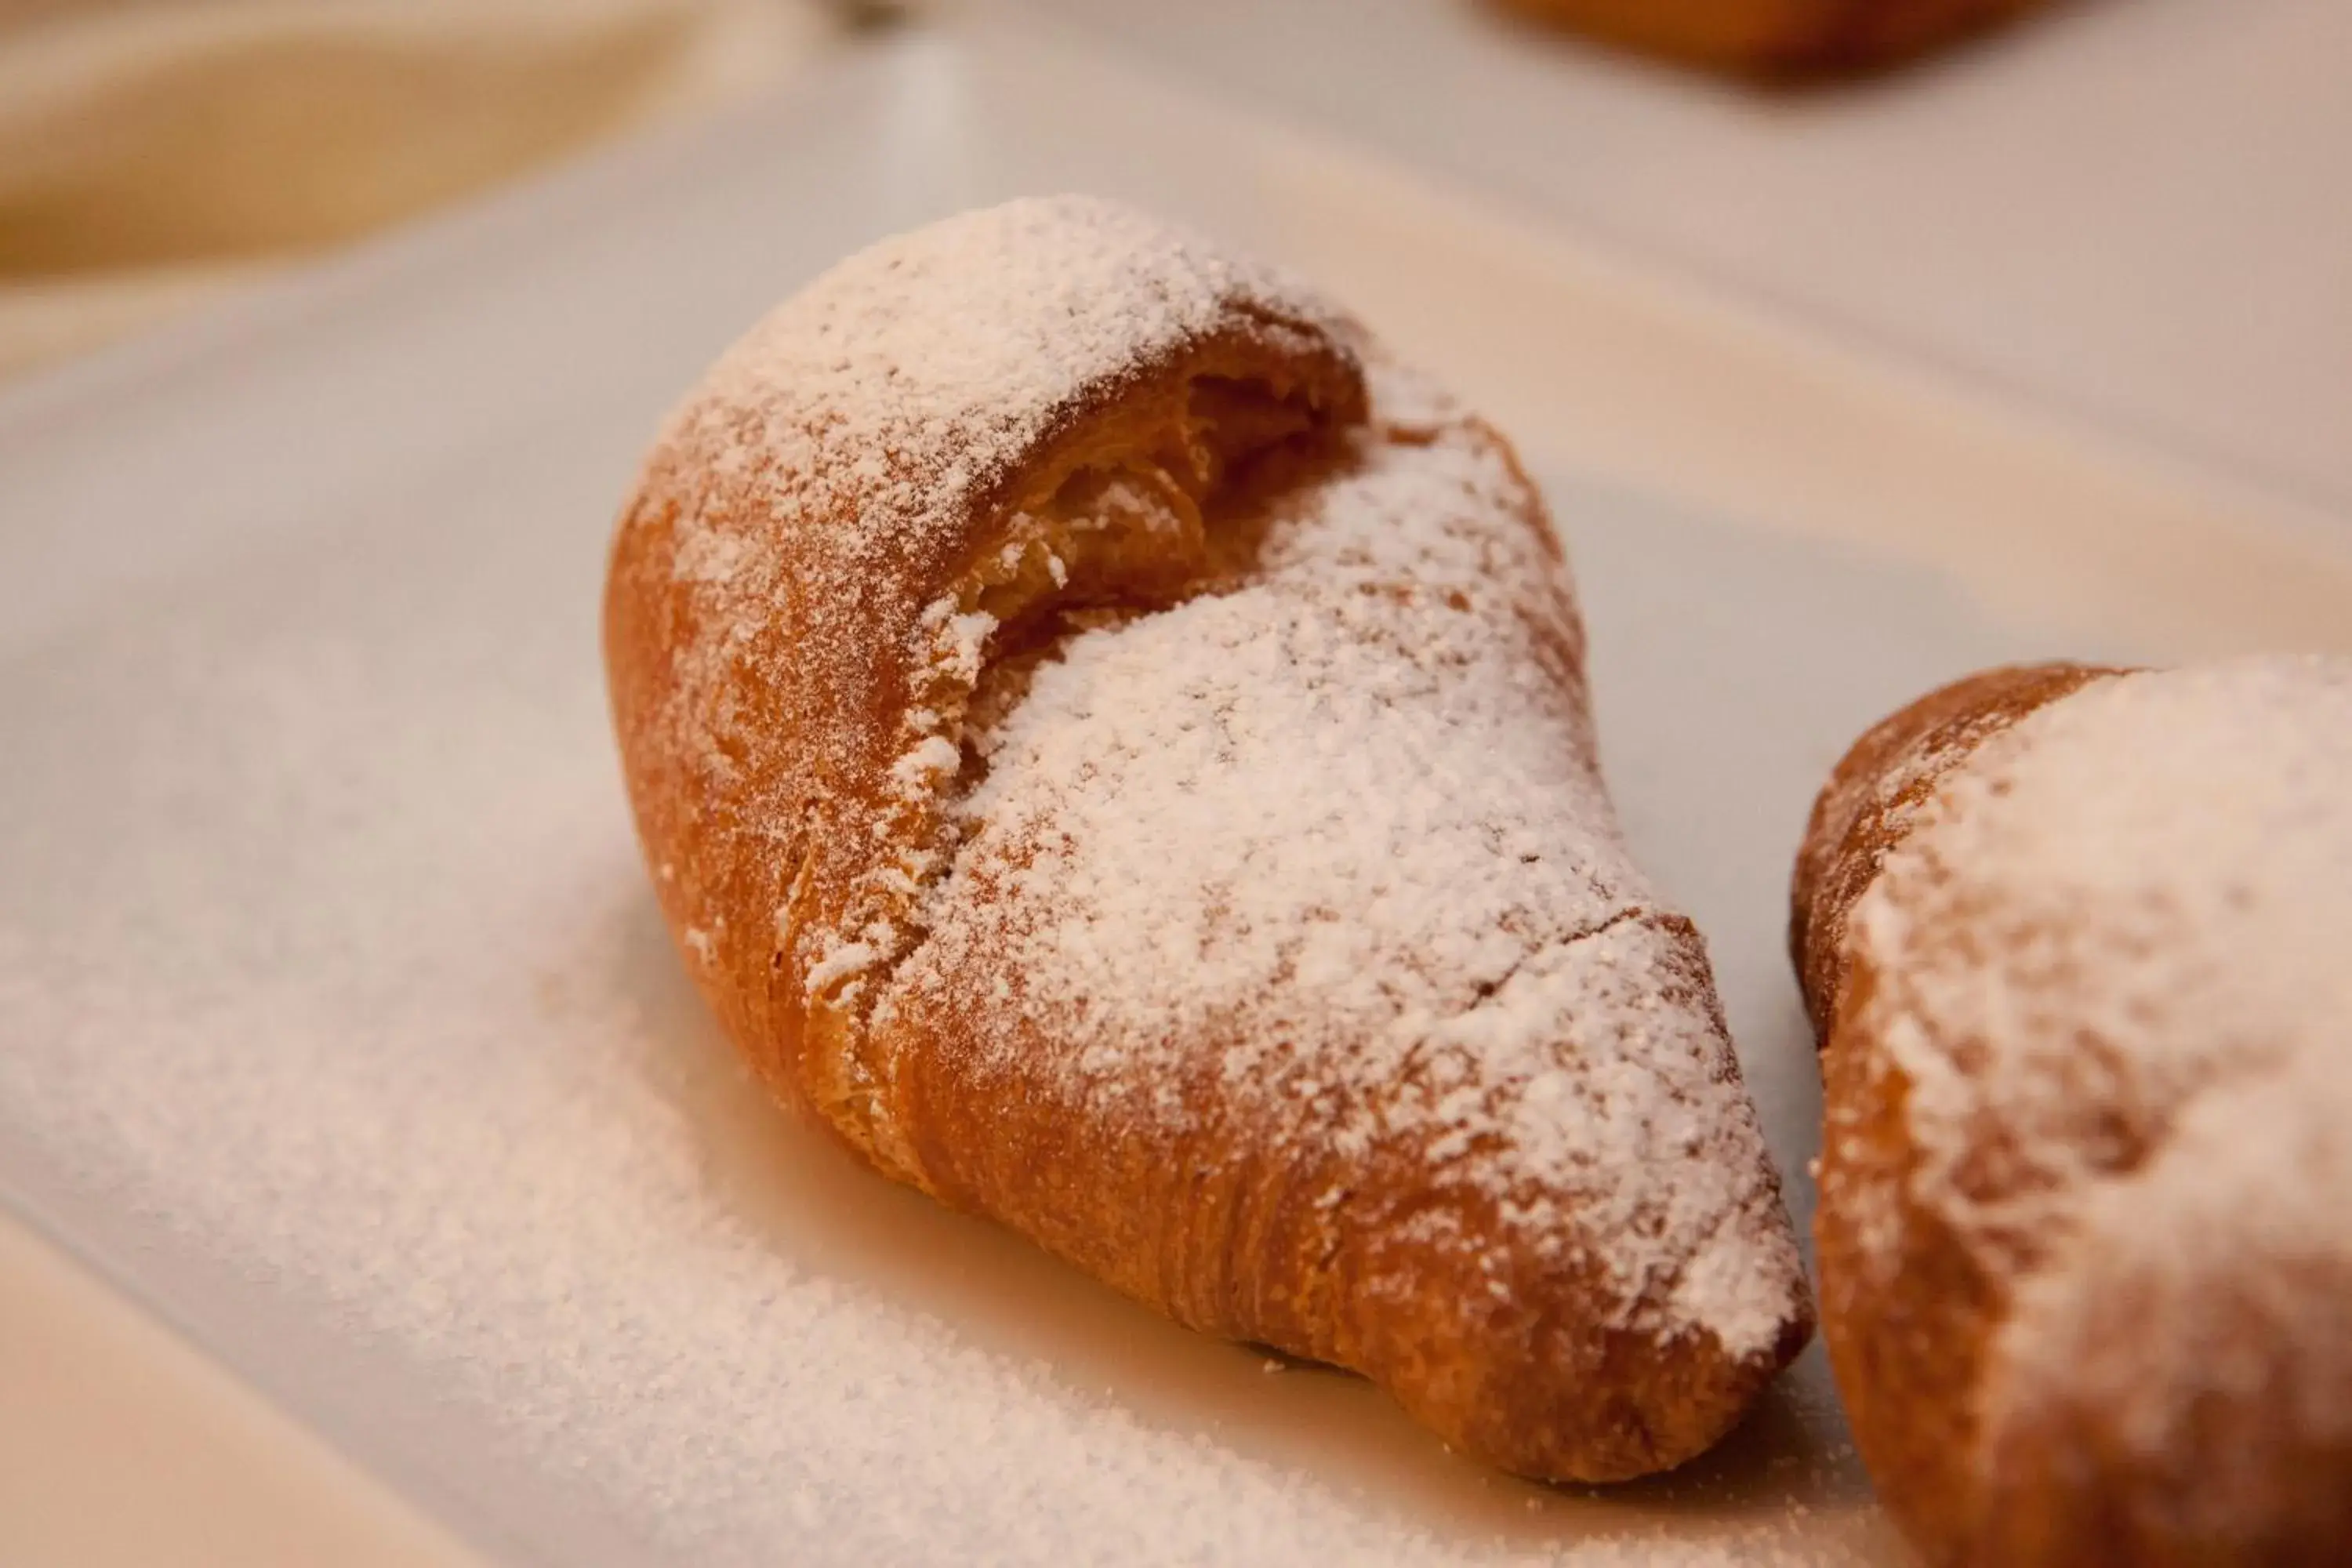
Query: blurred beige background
[[155, 153]]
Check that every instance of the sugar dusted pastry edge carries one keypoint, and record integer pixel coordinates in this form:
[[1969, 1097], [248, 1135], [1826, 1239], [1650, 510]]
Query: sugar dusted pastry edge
[[2083, 1265]]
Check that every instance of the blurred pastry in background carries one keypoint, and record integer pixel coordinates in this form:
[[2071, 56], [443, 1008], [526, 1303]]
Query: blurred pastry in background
[[1778, 38]]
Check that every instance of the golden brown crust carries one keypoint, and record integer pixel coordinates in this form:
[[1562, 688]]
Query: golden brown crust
[[1518, 1357], [1780, 38], [783, 675], [2169, 1412], [1907, 1336], [1874, 793]]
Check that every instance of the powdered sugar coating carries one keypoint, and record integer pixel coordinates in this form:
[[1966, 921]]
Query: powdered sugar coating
[[884, 409], [1343, 828], [901, 389], [2132, 1075], [905, 383]]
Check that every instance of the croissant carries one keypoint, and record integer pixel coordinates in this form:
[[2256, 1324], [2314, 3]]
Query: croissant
[[1116, 752], [2075, 942], [1779, 37]]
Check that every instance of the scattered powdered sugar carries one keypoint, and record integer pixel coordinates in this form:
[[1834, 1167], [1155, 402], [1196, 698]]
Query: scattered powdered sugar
[[329, 975], [1347, 817], [335, 1015], [2149, 1015]]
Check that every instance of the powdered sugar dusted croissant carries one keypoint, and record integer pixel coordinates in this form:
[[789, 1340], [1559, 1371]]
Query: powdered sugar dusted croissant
[[1132, 779], [2077, 941]]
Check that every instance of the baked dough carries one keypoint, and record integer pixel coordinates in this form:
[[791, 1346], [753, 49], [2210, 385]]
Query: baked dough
[[1779, 37], [1126, 767], [2077, 943]]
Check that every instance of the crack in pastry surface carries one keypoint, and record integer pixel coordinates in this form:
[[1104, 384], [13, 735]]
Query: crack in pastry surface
[[1132, 528], [1312, 841]]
